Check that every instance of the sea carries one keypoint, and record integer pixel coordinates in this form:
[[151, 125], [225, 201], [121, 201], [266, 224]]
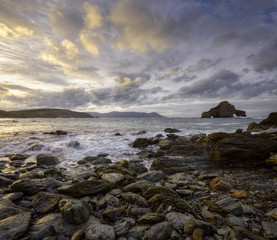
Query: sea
[[94, 136]]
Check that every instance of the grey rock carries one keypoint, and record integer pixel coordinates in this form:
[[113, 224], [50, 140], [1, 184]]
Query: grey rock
[[181, 179], [8, 208], [139, 143], [227, 205], [193, 224], [5, 182], [32, 186], [151, 218], [134, 198], [74, 211], [151, 191], [177, 220], [136, 211], [13, 196], [160, 231], [114, 178], [137, 232], [122, 228], [111, 214], [138, 186], [100, 231], [18, 156], [153, 176], [35, 147], [272, 213], [15, 226], [241, 233], [270, 229], [171, 130], [108, 200], [44, 202], [45, 232], [47, 160], [138, 168], [234, 221]]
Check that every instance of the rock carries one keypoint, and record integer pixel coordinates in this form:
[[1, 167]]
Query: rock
[[18, 156], [171, 130], [134, 198], [198, 234], [137, 211], [153, 176], [128, 175], [74, 211], [226, 206], [221, 184], [101, 161], [47, 160], [241, 233], [111, 214], [160, 231], [78, 235], [272, 160], [181, 179], [15, 226], [35, 147], [255, 127], [13, 196], [239, 194], [137, 232], [223, 110], [234, 221], [73, 144], [270, 121], [33, 186], [138, 186], [5, 182], [44, 202], [114, 178], [151, 218], [272, 213], [32, 174], [8, 208], [138, 168], [178, 220], [270, 229], [60, 132], [100, 231], [122, 228], [209, 176], [44, 233], [108, 200], [151, 191], [140, 143], [87, 187], [193, 224]]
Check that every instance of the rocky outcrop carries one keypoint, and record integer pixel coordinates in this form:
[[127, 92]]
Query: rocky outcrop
[[270, 121], [223, 110]]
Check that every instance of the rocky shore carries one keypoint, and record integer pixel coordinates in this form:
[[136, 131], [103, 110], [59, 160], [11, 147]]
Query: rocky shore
[[214, 187]]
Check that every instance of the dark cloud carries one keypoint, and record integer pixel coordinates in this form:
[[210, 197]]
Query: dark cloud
[[266, 59], [203, 64]]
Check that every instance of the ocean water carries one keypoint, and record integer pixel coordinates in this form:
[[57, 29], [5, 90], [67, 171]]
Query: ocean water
[[98, 135]]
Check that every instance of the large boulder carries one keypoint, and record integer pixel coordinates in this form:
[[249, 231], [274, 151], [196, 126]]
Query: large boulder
[[46, 159], [270, 121], [223, 110], [44, 202]]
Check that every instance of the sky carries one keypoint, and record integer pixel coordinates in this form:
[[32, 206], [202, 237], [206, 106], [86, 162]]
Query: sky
[[175, 57]]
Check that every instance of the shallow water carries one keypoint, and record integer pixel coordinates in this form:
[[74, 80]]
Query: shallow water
[[97, 135]]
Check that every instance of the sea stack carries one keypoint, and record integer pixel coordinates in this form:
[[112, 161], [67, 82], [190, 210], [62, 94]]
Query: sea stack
[[223, 110]]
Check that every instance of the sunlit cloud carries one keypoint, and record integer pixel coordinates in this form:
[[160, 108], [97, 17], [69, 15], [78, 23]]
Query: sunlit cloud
[[93, 18]]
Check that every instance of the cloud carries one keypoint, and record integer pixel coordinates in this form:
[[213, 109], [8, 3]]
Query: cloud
[[142, 30], [93, 18], [14, 26], [91, 42], [203, 64], [266, 59]]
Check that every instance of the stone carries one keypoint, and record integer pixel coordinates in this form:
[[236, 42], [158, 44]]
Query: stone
[[8, 208], [44, 202], [241, 233], [272, 213], [134, 198], [160, 231], [227, 205], [5, 182], [15, 226], [47, 160], [111, 214], [138, 186], [223, 110], [272, 160], [36, 147], [114, 178], [18, 156], [128, 174], [44, 233], [137, 211], [140, 143], [13, 196], [177, 220], [193, 224], [78, 235], [234, 221], [270, 121], [198, 234], [101, 161], [73, 144], [151, 191], [87, 187], [108, 200], [122, 228], [270, 229], [221, 184], [171, 130], [33, 186], [151, 218], [74, 211], [137, 232], [181, 179], [100, 231], [138, 168], [239, 194], [255, 127]]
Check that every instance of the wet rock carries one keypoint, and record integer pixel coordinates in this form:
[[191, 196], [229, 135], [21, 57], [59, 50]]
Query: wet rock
[[73, 144], [153, 176], [44, 202], [4, 182], [32, 174], [8, 208], [111, 214], [74, 211], [134, 198], [15, 226], [47, 160], [35, 147], [239, 194], [87, 187], [209, 176], [193, 224], [108, 200], [198, 234], [114, 178], [234, 221], [151, 218], [60, 132], [44, 233], [128, 175], [13, 196], [137, 168], [226, 206], [137, 211], [101, 161], [140, 143], [270, 229], [18, 156], [178, 220], [122, 228], [100, 231], [241, 233], [137, 232], [255, 127], [78, 235], [221, 184], [160, 231], [171, 130], [138, 186], [272, 160], [181, 179], [151, 191], [272, 213], [33, 186]]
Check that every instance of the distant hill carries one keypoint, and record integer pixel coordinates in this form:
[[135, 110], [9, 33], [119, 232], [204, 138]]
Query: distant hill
[[126, 115], [44, 113]]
